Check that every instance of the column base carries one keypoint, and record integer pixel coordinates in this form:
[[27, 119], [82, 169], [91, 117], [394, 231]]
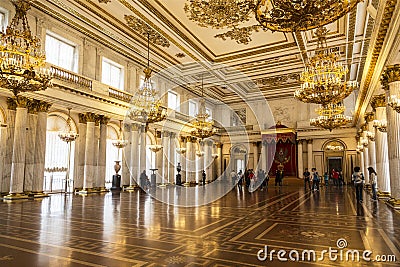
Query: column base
[[131, 188], [103, 190], [38, 194], [87, 191], [394, 203], [15, 196], [383, 195]]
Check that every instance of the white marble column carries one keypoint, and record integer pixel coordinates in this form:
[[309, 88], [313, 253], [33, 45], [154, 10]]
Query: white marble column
[[89, 153], [366, 157], [171, 158], [264, 156], [30, 146], [182, 159], [208, 159], [102, 157], [19, 149], [96, 148], [165, 156], [190, 159], [255, 157], [159, 158], [11, 110], [3, 148], [300, 165], [310, 163], [40, 149], [219, 160], [134, 171], [393, 130], [142, 155], [382, 156], [199, 161], [81, 147], [126, 156]]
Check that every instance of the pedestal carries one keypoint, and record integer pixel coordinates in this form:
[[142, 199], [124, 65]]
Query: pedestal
[[116, 183]]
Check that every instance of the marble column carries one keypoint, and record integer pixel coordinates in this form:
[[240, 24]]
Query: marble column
[[11, 110], [199, 161], [89, 154], [208, 159], [255, 157], [219, 160], [310, 163], [81, 147], [300, 166], [190, 159], [369, 118], [3, 148], [382, 156], [134, 171], [102, 156], [126, 156], [165, 156], [30, 146], [264, 156], [142, 155], [96, 143], [171, 158], [159, 158], [366, 157], [19, 150], [391, 84], [40, 149], [182, 159]]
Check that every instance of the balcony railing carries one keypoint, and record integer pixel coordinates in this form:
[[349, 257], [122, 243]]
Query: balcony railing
[[68, 76], [120, 95]]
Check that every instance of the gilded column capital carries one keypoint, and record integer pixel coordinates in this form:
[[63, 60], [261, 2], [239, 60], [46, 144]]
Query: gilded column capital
[[43, 106], [11, 103], [104, 120], [391, 74], [369, 116], [22, 101], [90, 117], [166, 133], [300, 141], [378, 101], [172, 135], [157, 134], [33, 106], [218, 145], [135, 127], [309, 141], [82, 117]]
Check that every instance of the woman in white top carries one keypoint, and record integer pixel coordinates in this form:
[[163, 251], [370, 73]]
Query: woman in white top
[[372, 180]]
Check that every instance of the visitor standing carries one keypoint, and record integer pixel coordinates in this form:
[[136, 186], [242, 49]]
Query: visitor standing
[[307, 179], [358, 179], [315, 178], [372, 180]]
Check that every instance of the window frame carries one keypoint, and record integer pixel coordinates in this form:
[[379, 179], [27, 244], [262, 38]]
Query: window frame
[[5, 13], [196, 107], [61, 39], [177, 103], [121, 76]]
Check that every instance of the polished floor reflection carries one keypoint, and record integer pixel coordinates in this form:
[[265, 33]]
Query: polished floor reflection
[[133, 229]]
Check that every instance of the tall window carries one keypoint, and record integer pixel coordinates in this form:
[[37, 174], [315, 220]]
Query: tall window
[[192, 108], [111, 155], [209, 112], [61, 52], [173, 100], [112, 74]]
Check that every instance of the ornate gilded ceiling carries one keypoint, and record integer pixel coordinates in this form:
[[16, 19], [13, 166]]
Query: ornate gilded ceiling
[[273, 61]]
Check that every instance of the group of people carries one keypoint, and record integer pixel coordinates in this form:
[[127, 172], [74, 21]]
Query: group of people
[[312, 179], [250, 179]]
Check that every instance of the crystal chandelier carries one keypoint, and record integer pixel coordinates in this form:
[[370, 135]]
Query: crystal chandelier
[[146, 104], [394, 102], [22, 61], [203, 126], [322, 78], [301, 15], [68, 135], [380, 125], [331, 116], [120, 142], [156, 147]]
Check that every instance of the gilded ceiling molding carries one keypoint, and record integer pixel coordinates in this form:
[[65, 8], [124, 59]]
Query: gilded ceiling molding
[[240, 35], [382, 31], [104, 1], [278, 80], [146, 31]]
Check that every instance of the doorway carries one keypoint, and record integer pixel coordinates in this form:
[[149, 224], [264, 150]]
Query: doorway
[[335, 163]]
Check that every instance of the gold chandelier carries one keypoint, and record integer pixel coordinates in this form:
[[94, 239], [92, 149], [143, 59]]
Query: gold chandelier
[[203, 126], [68, 135], [120, 142], [322, 78], [146, 104], [22, 61], [301, 15], [331, 116], [156, 147]]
